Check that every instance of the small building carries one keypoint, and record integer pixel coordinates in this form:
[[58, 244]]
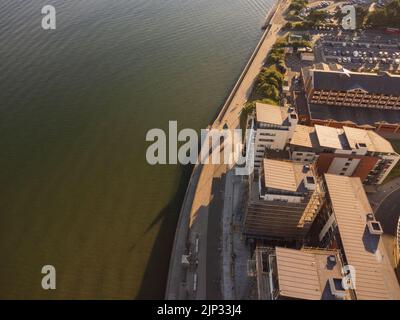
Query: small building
[[307, 56], [295, 37], [283, 201], [347, 151], [306, 274]]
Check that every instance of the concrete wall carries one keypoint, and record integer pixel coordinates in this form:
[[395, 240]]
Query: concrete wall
[[303, 157], [269, 139], [344, 166]]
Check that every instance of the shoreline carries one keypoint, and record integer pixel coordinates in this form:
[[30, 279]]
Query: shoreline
[[176, 272], [266, 28]]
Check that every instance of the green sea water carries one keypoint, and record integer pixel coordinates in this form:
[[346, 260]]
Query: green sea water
[[76, 191]]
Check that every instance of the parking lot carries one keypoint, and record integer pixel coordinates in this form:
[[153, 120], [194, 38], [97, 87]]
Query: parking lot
[[368, 51]]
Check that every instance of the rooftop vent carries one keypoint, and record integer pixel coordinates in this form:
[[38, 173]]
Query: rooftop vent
[[331, 261], [310, 180], [360, 145], [370, 216], [309, 183], [374, 227], [336, 287]]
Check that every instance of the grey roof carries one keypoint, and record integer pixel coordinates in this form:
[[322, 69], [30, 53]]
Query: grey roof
[[360, 116], [382, 83], [374, 275], [305, 274]]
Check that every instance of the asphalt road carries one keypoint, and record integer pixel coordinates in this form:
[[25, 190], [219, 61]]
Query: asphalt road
[[388, 213]]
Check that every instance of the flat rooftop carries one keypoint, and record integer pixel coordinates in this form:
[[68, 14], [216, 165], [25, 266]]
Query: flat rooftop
[[305, 274], [304, 136], [285, 175], [329, 137], [375, 278], [373, 141], [345, 138], [268, 113]]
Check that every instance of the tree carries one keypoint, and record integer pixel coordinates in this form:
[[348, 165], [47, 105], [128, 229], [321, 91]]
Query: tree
[[317, 16], [388, 16], [297, 6]]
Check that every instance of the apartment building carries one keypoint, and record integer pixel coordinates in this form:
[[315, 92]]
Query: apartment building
[[283, 201], [349, 260], [307, 274], [273, 127], [336, 96], [347, 223], [344, 151]]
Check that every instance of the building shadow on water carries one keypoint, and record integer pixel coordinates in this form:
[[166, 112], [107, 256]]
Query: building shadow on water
[[155, 277], [214, 233]]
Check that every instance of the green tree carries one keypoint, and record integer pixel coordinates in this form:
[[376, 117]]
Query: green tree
[[317, 16], [389, 16]]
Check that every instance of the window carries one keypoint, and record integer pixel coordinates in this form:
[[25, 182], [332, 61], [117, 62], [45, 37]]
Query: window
[[342, 174], [267, 134], [266, 140], [344, 169], [299, 153], [347, 164]]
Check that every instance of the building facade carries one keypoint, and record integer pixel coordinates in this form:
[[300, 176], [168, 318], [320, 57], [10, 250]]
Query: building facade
[[344, 151], [274, 127], [283, 201], [306, 274]]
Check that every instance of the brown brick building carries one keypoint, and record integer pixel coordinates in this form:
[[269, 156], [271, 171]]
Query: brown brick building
[[344, 151], [335, 97]]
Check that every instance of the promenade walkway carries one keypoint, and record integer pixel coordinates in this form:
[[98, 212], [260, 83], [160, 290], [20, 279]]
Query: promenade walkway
[[207, 196]]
